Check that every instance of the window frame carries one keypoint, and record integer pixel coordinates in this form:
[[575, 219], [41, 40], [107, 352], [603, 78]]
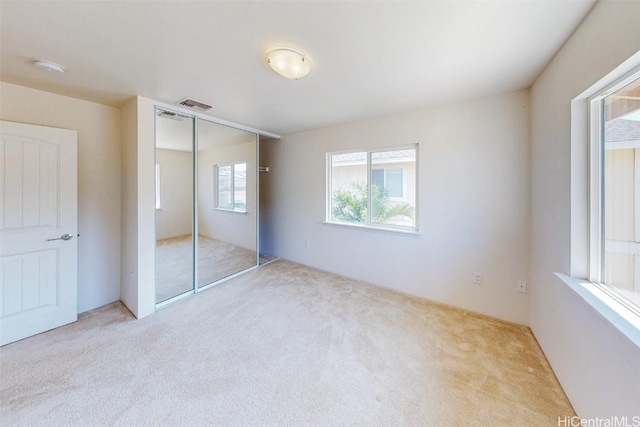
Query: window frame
[[597, 237], [578, 278], [369, 224], [216, 187]]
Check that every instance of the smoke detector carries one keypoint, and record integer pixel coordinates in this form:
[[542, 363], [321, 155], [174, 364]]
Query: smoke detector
[[52, 67]]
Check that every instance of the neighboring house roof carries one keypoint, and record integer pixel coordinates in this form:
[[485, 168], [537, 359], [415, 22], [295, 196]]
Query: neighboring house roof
[[621, 130], [390, 156]]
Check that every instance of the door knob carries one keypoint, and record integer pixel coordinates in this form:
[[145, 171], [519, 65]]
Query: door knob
[[63, 237]]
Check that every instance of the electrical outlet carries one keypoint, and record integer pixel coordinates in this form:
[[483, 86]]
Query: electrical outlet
[[477, 277], [522, 286], [307, 243]]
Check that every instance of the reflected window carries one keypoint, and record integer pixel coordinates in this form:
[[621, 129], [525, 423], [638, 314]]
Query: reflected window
[[158, 206], [231, 186]]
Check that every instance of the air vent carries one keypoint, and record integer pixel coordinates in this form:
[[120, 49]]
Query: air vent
[[190, 103], [170, 115]]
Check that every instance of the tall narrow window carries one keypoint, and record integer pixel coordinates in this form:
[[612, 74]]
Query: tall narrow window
[[231, 186], [616, 217], [157, 186], [376, 188]]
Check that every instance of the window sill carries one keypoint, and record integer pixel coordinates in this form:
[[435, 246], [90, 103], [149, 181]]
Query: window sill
[[230, 210], [620, 316], [391, 230]]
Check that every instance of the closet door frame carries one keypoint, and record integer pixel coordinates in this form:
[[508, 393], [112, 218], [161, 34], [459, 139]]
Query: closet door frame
[[257, 133]]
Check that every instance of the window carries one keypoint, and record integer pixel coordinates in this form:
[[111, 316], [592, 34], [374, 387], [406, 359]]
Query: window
[[231, 186], [375, 188], [615, 191], [389, 179]]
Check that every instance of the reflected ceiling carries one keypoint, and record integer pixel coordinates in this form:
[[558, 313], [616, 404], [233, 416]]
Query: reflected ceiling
[[177, 135]]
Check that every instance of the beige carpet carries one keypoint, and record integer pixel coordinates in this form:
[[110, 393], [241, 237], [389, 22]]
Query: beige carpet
[[282, 345]]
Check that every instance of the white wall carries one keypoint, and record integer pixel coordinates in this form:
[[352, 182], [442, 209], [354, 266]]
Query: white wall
[[474, 211], [175, 216], [597, 366], [138, 207], [232, 227], [129, 231], [99, 168]]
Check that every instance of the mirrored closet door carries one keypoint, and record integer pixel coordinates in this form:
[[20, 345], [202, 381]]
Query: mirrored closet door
[[206, 204], [174, 204], [227, 201]]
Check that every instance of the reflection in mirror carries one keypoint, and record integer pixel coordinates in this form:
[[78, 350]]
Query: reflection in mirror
[[227, 201], [174, 204]]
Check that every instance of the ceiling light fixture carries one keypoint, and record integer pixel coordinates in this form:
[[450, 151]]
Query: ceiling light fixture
[[52, 67], [287, 62]]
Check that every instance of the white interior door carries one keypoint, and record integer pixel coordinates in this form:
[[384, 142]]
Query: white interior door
[[38, 203]]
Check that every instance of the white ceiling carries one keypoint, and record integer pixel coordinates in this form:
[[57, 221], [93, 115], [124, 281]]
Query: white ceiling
[[369, 58]]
